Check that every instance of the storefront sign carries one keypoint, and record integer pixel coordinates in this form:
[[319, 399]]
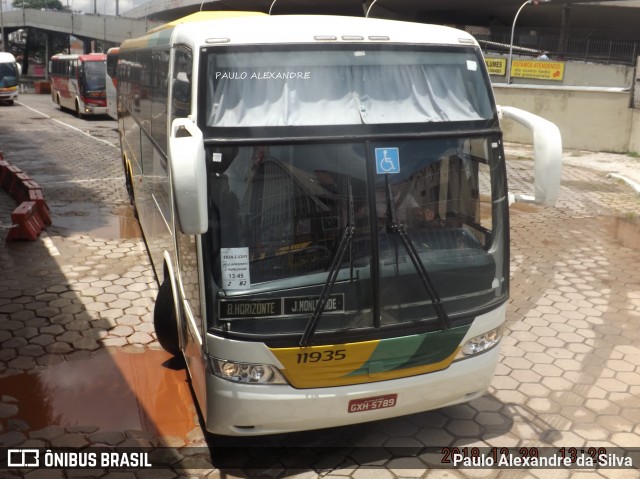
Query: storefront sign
[[496, 66], [538, 69]]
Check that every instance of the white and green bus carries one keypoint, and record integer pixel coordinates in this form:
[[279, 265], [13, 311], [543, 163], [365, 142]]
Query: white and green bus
[[9, 78], [324, 201]]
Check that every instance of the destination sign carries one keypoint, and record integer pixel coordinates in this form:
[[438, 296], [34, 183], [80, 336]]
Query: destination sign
[[265, 308], [250, 309], [307, 304]]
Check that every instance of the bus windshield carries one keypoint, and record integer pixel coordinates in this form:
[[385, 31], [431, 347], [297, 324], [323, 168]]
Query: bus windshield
[[358, 85], [8, 74], [94, 76], [281, 210], [418, 209]]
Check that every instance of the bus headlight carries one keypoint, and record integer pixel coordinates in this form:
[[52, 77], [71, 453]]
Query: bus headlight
[[481, 343], [248, 373]]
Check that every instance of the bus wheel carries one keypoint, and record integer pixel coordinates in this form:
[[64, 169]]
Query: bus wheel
[[58, 102], [165, 321], [128, 182], [78, 112]]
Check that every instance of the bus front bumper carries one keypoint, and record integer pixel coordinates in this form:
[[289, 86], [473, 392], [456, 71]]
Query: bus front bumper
[[249, 410], [94, 110], [8, 94]]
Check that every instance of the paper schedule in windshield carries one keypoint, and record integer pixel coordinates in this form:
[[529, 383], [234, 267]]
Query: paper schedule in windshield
[[234, 263]]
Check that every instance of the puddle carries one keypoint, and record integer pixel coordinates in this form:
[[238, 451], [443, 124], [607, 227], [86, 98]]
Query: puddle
[[114, 390], [627, 231], [516, 208], [91, 219], [121, 224]]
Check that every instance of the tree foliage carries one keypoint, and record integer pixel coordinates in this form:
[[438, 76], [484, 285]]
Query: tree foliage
[[39, 4], [30, 44]]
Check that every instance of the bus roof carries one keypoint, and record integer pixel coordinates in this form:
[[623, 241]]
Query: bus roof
[[237, 28], [161, 35], [6, 57], [202, 17]]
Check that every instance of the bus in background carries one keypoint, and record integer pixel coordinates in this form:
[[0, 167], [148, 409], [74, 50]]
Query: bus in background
[[324, 202], [9, 78], [112, 82], [78, 82]]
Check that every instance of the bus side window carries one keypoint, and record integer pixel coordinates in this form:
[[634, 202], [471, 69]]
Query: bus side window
[[181, 91], [159, 90]]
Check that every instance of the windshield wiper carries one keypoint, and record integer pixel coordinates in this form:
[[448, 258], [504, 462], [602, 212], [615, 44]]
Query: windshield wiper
[[397, 227], [345, 241]]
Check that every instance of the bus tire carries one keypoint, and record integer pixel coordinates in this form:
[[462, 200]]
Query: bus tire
[[58, 102], [78, 112], [165, 320], [128, 183]]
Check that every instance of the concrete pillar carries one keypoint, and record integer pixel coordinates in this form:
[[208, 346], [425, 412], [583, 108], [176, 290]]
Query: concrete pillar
[[564, 30], [4, 43], [86, 45], [48, 51]]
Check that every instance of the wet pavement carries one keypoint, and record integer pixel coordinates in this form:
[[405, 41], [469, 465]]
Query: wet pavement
[[80, 364], [131, 391]]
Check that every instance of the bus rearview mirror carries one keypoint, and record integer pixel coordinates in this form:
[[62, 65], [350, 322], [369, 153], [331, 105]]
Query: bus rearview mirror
[[547, 153], [188, 176]]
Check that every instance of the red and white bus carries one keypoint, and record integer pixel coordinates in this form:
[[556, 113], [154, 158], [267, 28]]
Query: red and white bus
[[78, 82], [112, 82]]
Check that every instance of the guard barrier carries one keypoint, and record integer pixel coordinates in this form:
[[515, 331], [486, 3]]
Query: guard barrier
[[32, 214]]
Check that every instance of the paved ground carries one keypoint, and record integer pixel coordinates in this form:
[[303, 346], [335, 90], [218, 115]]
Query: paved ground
[[79, 363]]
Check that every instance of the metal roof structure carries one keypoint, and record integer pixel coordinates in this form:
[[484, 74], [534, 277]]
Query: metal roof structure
[[613, 20], [619, 18]]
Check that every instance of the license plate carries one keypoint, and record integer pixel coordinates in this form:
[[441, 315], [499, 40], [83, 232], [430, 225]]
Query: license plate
[[373, 403]]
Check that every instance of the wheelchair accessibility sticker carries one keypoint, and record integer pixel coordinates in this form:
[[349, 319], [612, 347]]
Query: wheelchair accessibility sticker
[[387, 160]]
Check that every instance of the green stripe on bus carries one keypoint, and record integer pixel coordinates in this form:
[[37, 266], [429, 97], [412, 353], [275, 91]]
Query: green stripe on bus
[[418, 350]]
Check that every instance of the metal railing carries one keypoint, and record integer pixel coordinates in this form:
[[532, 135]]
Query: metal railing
[[578, 46]]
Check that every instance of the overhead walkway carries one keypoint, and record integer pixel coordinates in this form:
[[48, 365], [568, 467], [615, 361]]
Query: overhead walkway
[[87, 27]]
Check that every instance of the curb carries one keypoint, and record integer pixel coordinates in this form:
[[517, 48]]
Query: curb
[[32, 214], [631, 183]]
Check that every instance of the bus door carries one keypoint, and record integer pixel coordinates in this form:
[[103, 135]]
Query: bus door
[[188, 248], [111, 83]]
